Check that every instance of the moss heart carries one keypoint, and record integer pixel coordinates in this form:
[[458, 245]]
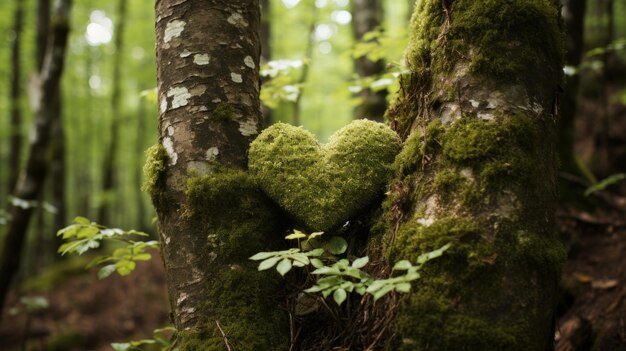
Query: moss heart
[[323, 186]]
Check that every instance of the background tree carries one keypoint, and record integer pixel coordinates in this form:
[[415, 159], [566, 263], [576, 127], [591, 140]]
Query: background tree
[[33, 176], [367, 15], [16, 93]]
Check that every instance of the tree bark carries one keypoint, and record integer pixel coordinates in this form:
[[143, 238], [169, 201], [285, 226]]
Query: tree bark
[[15, 151], [367, 15], [31, 179], [110, 158], [211, 216], [478, 171]]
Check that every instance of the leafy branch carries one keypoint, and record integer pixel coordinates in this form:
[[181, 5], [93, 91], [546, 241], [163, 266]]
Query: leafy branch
[[342, 276], [85, 235]]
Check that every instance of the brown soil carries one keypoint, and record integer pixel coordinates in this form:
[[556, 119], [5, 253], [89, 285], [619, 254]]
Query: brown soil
[[88, 314]]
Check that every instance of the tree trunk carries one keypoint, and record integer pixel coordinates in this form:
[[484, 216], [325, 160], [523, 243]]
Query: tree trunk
[[478, 171], [15, 151], [367, 15], [110, 158], [574, 18], [266, 50], [211, 215], [31, 179]]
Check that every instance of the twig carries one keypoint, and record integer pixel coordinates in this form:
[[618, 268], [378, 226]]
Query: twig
[[223, 335]]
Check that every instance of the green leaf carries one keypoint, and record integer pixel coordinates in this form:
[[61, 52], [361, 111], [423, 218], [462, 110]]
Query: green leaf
[[360, 262], [120, 346], [268, 263], [317, 263], [402, 265], [315, 235], [315, 253], [82, 220], [124, 267], [106, 271], [339, 296], [296, 235], [336, 245], [382, 292], [403, 287], [615, 178], [262, 256], [361, 289], [284, 266]]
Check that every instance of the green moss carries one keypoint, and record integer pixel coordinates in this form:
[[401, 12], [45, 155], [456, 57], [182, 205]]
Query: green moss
[[501, 38], [223, 111], [454, 303], [154, 172], [324, 186], [236, 216]]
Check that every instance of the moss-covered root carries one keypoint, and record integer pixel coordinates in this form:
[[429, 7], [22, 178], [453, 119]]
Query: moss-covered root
[[232, 220]]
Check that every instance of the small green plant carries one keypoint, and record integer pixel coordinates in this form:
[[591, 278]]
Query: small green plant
[[341, 276], [603, 184], [161, 337], [85, 235]]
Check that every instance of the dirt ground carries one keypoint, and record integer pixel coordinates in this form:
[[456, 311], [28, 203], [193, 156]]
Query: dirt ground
[[88, 314]]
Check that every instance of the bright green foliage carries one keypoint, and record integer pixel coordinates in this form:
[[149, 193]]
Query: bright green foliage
[[342, 276], [282, 81], [88, 235], [30, 305], [161, 337], [324, 186], [154, 171]]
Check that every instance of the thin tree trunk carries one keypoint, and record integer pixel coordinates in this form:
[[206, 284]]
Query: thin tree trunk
[[211, 215], [574, 16], [306, 68], [140, 146], [478, 172], [110, 158], [367, 15], [15, 152], [32, 177], [266, 50]]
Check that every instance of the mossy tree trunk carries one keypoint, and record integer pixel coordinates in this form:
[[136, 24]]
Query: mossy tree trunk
[[478, 171], [367, 15], [211, 216]]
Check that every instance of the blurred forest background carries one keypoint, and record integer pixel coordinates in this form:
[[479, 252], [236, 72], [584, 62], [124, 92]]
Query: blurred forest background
[[325, 62]]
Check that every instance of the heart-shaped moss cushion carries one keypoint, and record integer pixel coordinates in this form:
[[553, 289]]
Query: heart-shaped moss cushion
[[323, 186]]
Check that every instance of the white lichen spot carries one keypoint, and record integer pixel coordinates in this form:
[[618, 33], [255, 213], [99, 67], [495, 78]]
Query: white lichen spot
[[185, 53], [475, 104], [537, 108], [248, 127], [237, 20], [198, 167], [180, 96], [170, 130], [486, 116], [168, 144], [492, 103], [216, 101], [163, 106], [211, 154], [181, 298], [249, 61], [450, 112], [236, 77], [426, 222], [201, 59], [173, 30], [212, 256]]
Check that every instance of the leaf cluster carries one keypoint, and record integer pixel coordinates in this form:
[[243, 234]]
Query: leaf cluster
[[85, 235]]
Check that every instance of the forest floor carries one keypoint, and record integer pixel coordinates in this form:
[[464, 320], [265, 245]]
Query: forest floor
[[88, 314]]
